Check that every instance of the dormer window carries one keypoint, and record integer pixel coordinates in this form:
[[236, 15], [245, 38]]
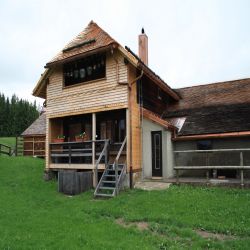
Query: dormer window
[[87, 69]]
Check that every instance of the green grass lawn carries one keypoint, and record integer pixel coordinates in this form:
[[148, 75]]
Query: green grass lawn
[[33, 215], [9, 141]]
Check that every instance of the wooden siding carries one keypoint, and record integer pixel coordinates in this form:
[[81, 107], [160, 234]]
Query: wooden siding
[[135, 121], [88, 97], [53, 129]]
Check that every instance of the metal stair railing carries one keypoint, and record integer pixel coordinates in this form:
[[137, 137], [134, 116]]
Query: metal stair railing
[[104, 151], [114, 167], [117, 181]]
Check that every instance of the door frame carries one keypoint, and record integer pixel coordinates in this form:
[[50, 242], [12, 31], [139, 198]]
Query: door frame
[[156, 172]]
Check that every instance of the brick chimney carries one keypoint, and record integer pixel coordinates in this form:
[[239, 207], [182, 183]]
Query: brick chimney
[[143, 47]]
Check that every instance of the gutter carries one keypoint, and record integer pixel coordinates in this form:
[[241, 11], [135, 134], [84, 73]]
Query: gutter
[[212, 136]]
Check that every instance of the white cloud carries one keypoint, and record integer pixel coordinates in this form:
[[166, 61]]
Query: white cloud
[[190, 41]]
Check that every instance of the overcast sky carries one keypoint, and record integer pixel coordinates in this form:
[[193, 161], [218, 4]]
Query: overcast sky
[[191, 42]]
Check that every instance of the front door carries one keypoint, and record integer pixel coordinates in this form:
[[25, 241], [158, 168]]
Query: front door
[[156, 139]]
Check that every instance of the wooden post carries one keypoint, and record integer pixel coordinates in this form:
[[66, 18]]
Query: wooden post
[[116, 177], [33, 146], [128, 150], [207, 174], [16, 145], [95, 181], [241, 171], [177, 177], [69, 154]]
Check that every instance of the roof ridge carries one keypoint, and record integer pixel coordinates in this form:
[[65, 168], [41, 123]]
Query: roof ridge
[[90, 38], [213, 83]]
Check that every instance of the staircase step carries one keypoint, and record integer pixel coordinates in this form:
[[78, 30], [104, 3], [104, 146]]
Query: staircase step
[[107, 188], [111, 170], [104, 181], [104, 195], [110, 175]]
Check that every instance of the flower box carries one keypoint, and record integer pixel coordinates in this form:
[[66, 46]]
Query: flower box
[[80, 139], [58, 140]]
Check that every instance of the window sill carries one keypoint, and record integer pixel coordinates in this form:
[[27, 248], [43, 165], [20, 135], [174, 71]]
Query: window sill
[[83, 83]]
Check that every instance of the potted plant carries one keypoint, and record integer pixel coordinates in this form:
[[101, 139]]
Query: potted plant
[[81, 137], [59, 139]]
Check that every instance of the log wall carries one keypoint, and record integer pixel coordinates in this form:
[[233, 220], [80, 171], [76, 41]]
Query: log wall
[[34, 146]]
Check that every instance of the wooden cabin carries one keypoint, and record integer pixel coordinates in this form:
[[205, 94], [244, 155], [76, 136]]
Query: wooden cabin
[[34, 138], [111, 113]]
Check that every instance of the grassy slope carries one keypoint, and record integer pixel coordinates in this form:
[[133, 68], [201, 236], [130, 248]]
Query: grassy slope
[[33, 215], [9, 141]]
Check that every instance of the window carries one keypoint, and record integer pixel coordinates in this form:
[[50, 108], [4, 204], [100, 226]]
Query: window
[[204, 145], [86, 69]]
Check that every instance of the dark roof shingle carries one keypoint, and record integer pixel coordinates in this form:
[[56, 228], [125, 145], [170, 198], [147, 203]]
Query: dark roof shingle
[[214, 108]]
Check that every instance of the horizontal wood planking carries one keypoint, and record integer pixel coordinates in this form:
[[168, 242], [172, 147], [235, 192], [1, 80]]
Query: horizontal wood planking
[[92, 96], [76, 166]]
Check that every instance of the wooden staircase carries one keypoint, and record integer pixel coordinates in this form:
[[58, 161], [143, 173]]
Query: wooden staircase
[[112, 177]]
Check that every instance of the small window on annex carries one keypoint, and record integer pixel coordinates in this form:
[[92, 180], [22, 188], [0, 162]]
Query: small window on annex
[[86, 69], [204, 145]]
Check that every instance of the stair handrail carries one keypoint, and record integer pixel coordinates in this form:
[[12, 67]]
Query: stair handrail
[[104, 150], [116, 164]]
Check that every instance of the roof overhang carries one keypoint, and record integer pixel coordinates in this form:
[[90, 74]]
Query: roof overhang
[[153, 76], [157, 119], [81, 55], [40, 88], [158, 81]]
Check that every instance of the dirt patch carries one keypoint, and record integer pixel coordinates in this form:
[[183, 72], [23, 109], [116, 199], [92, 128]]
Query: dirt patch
[[217, 236], [141, 225]]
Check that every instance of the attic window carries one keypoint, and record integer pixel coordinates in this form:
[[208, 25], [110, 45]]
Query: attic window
[[79, 45], [86, 69]]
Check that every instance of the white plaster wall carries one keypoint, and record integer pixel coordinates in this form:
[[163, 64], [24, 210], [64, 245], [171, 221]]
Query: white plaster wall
[[167, 149]]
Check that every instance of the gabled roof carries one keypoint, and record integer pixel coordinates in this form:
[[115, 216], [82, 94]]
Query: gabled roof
[[214, 108], [38, 127], [90, 39]]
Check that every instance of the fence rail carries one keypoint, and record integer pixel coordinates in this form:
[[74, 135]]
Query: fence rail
[[215, 159], [5, 149]]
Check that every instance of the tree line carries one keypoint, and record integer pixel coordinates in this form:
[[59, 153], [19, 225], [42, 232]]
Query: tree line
[[16, 115]]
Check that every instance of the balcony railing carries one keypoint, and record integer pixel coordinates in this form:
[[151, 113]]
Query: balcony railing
[[78, 152], [216, 159]]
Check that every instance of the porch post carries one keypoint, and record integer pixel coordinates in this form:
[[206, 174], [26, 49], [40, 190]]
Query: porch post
[[95, 175], [128, 139]]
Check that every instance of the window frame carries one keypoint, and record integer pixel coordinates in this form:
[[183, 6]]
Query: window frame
[[81, 82]]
